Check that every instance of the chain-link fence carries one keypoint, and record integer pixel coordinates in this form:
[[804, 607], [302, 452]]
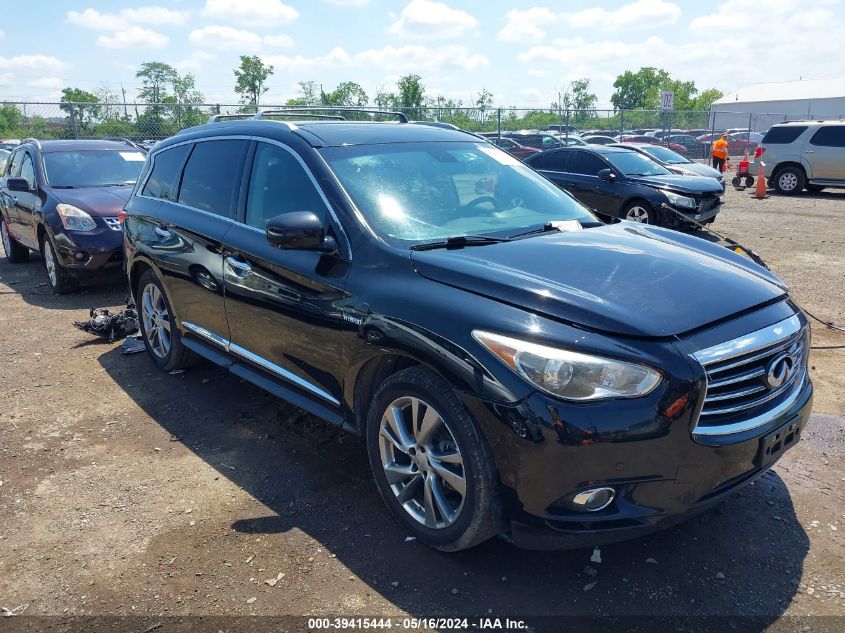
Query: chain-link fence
[[689, 132]]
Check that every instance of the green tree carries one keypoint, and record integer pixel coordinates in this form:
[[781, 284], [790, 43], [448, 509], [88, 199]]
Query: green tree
[[251, 78], [580, 96], [155, 78], [85, 107], [347, 93], [11, 119], [639, 89], [308, 94], [411, 95], [706, 98], [185, 95]]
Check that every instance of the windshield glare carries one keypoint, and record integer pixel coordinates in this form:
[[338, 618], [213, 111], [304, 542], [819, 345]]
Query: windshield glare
[[666, 155], [419, 192], [93, 168], [633, 163]]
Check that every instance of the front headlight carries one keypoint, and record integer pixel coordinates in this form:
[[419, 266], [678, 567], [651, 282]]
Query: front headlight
[[570, 375], [75, 219], [680, 201]]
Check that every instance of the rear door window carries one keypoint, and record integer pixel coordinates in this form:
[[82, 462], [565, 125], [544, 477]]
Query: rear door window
[[586, 163], [553, 161], [829, 136], [783, 135], [164, 179], [27, 171], [212, 176], [15, 163]]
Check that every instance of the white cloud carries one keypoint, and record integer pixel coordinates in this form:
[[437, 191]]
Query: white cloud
[[402, 59], [133, 37], [532, 25], [31, 63], [349, 3], [251, 12], [148, 16], [48, 83], [425, 19], [228, 38], [278, 41], [194, 63], [7, 79]]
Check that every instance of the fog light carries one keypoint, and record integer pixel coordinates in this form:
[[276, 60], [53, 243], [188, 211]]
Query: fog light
[[80, 256], [594, 499]]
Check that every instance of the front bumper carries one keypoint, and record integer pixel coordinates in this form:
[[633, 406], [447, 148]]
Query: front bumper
[[92, 251], [546, 450]]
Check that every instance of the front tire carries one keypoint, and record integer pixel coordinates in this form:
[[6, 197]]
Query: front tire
[[430, 461], [790, 180], [158, 326], [15, 252], [640, 211], [61, 281]]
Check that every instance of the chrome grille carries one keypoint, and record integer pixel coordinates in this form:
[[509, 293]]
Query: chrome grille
[[113, 223], [747, 378]]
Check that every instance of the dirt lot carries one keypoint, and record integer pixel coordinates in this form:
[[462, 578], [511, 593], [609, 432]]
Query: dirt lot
[[126, 491]]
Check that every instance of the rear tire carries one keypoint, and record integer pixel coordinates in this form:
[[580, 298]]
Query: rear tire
[[441, 470], [789, 180], [15, 252], [61, 281], [158, 326]]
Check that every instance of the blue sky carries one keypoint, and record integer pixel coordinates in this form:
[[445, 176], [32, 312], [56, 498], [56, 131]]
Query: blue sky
[[522, 52]]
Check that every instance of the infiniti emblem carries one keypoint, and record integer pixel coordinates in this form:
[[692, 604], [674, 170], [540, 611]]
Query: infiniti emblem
[[780, 370]]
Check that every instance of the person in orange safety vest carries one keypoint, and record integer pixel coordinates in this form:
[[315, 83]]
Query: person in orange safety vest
[[720, 153]]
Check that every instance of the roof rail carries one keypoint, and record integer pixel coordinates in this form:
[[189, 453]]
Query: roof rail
[[299, 114], [305, 109], [216, 118], [32, 140], [124, 140]]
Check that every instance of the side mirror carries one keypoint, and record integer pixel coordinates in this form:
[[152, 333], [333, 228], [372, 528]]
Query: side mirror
[[17, 184], [300, 230], [607, 174]]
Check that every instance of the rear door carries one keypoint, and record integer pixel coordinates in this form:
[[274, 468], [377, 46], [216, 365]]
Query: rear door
[[25, 203], [186, 239], [283, 306], [9, 198], [598, 194], [825, 153]]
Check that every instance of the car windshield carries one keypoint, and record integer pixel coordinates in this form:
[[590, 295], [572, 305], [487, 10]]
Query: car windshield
[[666, 155], [93, 168], [633, 163], [419, 192]]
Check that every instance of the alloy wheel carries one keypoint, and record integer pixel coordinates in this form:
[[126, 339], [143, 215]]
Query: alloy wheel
[[156, 320], [50, 264], [637, 214], [422, 462], [788, 181]]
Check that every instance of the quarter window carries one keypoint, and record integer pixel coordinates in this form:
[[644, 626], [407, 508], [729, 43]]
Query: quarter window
[[783, 135], [279, 184], [829, 136], [165, 176], [212, 176]]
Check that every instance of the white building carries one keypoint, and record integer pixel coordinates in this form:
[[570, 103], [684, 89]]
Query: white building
[[762, 105]]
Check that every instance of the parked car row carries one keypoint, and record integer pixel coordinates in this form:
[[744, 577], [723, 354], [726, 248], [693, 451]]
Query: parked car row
[[514, 365]]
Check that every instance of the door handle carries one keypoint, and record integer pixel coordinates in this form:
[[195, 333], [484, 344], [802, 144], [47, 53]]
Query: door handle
[[163, 233], [809, 151], [238, 265]]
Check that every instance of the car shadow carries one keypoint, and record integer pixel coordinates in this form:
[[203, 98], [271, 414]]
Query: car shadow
[[29, 280], [742, 559]]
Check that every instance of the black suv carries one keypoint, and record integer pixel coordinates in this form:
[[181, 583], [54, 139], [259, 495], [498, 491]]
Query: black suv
[[514, 365], [622, 183], [61, 199]]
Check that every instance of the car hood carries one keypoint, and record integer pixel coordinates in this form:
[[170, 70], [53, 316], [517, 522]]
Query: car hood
[[697, 169], [681, 183], [97, 201], [623, 278]]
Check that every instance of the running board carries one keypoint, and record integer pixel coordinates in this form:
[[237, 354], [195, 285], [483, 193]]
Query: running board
[[827, 183]]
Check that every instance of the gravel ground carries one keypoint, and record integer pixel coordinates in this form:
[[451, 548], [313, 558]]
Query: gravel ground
[[126, 491]]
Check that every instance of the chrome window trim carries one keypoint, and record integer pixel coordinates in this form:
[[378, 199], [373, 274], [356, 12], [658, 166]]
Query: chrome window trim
[[748, 343], [237, 350]]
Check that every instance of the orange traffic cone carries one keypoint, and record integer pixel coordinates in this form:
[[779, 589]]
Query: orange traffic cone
[[760, 193]]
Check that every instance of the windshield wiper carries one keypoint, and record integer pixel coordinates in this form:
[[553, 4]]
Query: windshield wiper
[[459, 241], [63, 187]]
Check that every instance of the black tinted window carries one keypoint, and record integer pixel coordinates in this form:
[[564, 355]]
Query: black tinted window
[[15, 163], [279, 184], [27, 171], [586, 163], [162, 182], [783, 135], [830, 136], [212, 176], [554, 161]]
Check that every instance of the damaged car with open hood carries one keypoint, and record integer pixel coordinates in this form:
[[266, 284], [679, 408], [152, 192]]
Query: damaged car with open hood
[[514, 365]]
